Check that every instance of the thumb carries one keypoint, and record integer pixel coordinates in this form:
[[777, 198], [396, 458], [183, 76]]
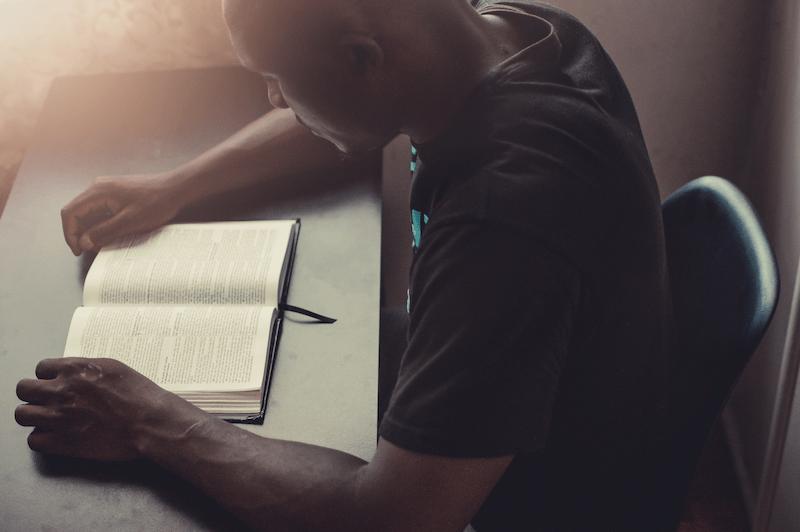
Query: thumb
[[105, 232]]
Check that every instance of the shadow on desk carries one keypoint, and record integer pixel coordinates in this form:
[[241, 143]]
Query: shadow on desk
[[174, 493]]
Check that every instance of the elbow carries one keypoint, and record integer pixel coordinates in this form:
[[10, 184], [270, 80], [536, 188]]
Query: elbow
[[381, 509]]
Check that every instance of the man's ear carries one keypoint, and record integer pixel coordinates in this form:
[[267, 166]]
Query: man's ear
[[364, 54]]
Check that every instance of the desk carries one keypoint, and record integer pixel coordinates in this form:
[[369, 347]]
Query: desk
[[325, 383]]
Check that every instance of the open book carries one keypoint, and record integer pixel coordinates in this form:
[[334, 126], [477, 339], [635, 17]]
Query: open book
[[193, 307]]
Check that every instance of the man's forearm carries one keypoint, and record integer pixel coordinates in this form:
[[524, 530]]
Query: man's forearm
[[102, 409], [271, 484], [270, 148]]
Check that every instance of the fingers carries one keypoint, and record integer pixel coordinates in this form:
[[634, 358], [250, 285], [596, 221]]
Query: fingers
[[42, 417], [44, 441], [37, 391], [71, 232], [106, 231], [74, 213], [81, 214], [49, 368], [97, 204]]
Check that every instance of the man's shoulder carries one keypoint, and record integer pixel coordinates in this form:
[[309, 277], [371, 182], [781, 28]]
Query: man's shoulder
[[557, 174], [553, 208], [542, 9], [555, 151]]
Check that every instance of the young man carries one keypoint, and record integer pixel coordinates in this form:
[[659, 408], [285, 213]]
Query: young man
[[538, 304]]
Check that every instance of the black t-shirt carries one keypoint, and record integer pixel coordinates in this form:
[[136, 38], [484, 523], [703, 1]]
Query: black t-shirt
[[539, 303]]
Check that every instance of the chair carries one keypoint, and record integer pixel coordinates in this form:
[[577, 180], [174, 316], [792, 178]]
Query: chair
[[724, 284]]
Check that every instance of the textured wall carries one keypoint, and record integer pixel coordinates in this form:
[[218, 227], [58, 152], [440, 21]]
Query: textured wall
[[773, 182], [42, 39], [692, 68]]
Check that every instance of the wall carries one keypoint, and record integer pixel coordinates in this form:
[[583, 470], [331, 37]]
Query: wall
[[690, 67], [773, 181], [42, 39]]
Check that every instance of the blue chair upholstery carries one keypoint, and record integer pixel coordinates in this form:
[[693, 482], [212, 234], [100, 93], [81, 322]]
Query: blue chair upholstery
[[724, 285]]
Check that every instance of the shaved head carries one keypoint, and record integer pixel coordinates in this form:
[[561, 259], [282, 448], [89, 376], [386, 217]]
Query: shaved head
[[343, 66], [264, 22]]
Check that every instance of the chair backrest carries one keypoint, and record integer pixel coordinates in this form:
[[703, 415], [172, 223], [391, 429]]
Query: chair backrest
[[724, 285]]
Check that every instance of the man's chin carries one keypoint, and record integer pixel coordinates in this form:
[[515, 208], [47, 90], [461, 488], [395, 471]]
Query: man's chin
[[351, 149], [354, 147]]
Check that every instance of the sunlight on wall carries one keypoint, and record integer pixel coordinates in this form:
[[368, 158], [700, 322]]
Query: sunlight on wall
[[43, 39]]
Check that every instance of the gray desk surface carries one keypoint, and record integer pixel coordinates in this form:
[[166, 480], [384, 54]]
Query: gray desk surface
[[325, 385]]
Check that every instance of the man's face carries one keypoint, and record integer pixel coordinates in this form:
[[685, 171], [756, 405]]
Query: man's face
[[327, 86]]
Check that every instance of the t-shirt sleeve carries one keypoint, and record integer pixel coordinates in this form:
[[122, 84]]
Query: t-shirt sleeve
[[491, 318]]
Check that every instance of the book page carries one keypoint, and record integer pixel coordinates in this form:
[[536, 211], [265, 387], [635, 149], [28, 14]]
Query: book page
[[192, 348], [226, 263]]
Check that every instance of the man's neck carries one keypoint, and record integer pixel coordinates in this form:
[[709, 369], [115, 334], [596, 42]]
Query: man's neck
[[452, 61]]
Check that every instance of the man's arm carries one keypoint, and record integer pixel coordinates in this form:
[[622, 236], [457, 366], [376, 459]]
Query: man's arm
[[102, 409], [269, 150], [280, 485]]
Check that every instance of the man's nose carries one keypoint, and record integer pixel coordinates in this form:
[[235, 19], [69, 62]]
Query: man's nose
[[275, 95]]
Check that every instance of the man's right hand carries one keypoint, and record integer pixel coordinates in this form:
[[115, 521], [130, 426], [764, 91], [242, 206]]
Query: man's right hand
[[115, 207], [270, 148]]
